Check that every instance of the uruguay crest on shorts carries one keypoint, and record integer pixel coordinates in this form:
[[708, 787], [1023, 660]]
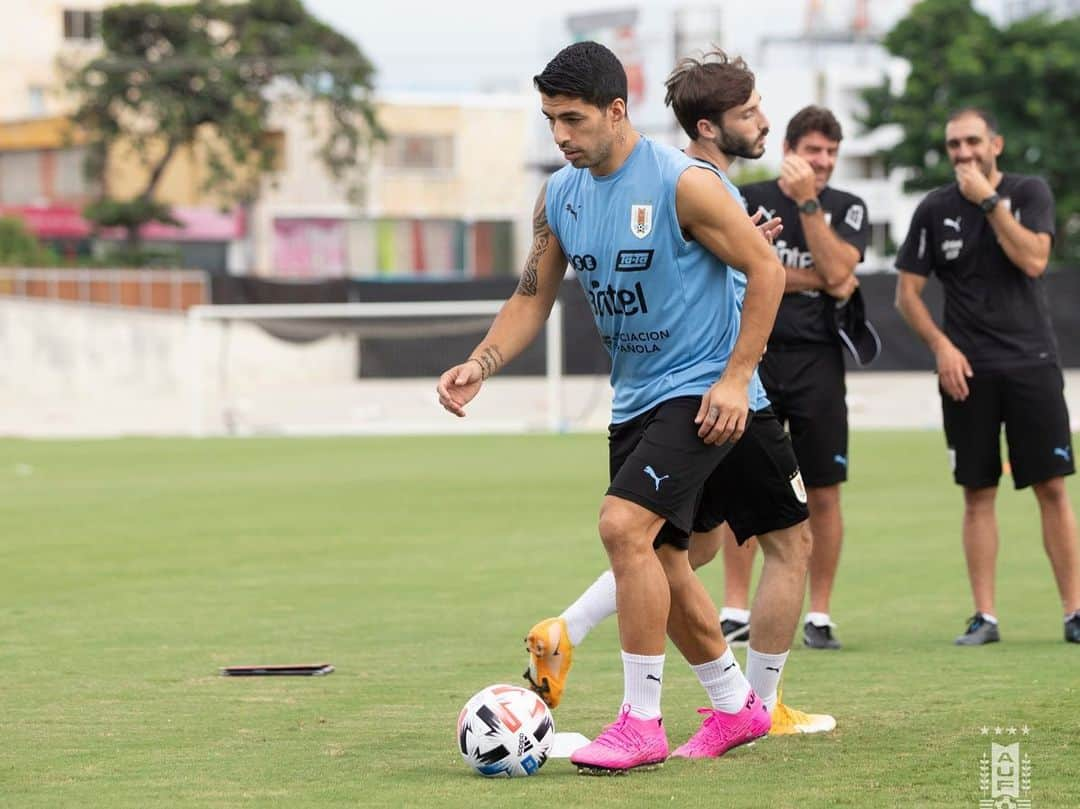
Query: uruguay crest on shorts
[[641, 220]]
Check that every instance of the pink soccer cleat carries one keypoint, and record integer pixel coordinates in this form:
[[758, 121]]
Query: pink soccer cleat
[[626, 744], [721, 731]]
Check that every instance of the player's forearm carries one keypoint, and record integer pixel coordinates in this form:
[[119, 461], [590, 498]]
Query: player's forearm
[[764, 289], [915, 313], [834, 259], [797, 279], [514, 328], [1026, 249], [522, 316]]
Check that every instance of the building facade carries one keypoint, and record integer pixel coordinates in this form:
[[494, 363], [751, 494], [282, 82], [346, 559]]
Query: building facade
[[442, 196], [445, 195]]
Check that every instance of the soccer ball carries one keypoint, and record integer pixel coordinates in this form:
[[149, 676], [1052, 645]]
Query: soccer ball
[[505, 731]]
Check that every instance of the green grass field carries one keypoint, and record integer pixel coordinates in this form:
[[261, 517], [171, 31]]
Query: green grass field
[[130, 571]]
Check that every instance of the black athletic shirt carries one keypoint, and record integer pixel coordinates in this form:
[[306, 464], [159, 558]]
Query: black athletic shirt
[[803, 315], [997, 316]]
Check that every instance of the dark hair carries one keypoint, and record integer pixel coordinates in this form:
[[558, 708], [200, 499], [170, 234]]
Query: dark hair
[[987, 116], [707, 88], [812, 119], [585, 70]]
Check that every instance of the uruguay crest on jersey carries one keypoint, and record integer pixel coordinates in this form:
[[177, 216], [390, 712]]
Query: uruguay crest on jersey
[[641, 220]]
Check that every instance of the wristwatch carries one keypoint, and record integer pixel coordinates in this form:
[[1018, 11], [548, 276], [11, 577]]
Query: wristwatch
[[811, 206], [990, 203]]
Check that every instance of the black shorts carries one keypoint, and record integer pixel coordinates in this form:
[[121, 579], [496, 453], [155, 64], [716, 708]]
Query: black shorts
[[1031, 404], [658, 461], [757, 488], [806, 387]]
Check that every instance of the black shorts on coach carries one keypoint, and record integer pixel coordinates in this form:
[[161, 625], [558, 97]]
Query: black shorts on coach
[[805, 384], [1030, 402]]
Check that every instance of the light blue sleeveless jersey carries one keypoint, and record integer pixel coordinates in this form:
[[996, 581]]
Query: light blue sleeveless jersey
[[666, 308]]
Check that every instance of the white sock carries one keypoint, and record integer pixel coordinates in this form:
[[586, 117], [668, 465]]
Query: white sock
[[764, 671], [990, 619], [735, 614], [818, 618], [592, 607], [642, 678], [723, 681]]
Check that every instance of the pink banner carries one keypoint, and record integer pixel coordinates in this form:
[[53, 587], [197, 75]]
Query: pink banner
[[51, 222], [66, 222], [310, 247], [197, 225]]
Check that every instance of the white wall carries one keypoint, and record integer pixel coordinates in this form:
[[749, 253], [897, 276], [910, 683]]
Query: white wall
[[72, 369]]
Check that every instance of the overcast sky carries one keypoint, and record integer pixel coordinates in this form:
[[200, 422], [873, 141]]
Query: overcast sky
[[500, 44]]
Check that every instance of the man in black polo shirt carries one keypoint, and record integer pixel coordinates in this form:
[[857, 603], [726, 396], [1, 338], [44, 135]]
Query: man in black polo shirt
[[824, 237], [987, 237]]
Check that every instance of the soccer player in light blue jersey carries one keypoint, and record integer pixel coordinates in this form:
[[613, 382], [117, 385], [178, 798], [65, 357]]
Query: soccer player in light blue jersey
[[714, 98], [652, 235]]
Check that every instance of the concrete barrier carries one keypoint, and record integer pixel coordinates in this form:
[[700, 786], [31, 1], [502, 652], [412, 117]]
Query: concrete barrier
[[70, 370]]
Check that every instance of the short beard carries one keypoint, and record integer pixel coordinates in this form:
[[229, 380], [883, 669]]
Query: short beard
[[595, 158], [735, 146]]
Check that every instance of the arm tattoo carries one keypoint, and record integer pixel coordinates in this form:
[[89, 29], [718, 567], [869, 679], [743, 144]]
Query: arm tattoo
[[489, 360], [541, 240]]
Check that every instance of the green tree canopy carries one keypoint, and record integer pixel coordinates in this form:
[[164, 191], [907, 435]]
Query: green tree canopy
[[171, 76], [1027, 75], [19, 248]]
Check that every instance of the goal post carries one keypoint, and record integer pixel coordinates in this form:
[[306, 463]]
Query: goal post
[[206, 342]]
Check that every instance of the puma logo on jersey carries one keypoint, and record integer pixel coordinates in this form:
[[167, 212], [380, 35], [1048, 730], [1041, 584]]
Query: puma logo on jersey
[[648, 470], [1063, 452], [952, 223]]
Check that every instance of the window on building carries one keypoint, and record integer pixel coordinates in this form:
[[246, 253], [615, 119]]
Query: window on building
[[20, 178], [81, 24], [69, 179], [420, 152], [35, 101]]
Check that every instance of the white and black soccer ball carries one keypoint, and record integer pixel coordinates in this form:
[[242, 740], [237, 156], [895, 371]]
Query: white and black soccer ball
[[505, 731]]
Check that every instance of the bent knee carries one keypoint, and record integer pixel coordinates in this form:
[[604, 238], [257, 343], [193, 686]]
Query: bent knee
[[626, 529], [790, 546], [704, 547]]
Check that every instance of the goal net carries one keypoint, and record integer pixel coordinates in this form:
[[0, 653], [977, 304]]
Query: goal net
[[355, 368]]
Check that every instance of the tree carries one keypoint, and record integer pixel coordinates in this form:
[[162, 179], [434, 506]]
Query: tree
[[206, 73], [19, 248], [745, 172], [1027, 75]]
